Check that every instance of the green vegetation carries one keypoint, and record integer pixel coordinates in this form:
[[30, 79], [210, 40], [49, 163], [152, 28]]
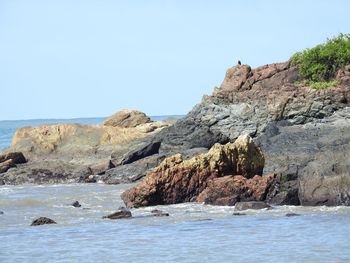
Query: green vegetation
[[320, 64]]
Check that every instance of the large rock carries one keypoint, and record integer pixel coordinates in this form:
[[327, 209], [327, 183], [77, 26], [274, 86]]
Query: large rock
[[177, 180], [9, 160], [127, 119], [229, 190], [42, 221], [16, 157]]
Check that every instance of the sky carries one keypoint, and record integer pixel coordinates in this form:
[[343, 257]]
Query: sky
[[70, 59]]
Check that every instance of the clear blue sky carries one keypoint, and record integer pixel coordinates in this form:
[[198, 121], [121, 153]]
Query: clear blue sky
[[65, 58]]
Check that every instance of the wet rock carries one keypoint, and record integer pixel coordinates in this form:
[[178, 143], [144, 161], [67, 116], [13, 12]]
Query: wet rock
[[177, 180], [76, 204], [157, 212], [285, 188], [1, 212], [291, 214], [89, 179], [119, 215], [127, 119], [228, 190], [238, 214], [42, 221], [240, 206]]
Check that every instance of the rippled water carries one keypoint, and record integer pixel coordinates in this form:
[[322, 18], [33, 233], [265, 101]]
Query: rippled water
[[192, 232]]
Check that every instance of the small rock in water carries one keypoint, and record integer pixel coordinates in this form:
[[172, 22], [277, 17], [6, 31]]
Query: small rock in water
[[238, 214], [292, 214], [119, 215], [76, 204], [1, 212], [42, 221], [157, 212], [251, 205]]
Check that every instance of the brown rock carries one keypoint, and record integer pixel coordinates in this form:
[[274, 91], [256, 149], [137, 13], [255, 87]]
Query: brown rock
[[228, 190], [42, 221], [127, 119], [343, 76], [176, 180], [4, 166], [17, 157]]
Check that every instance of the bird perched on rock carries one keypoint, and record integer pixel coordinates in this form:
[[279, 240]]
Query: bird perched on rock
[[239, 62]]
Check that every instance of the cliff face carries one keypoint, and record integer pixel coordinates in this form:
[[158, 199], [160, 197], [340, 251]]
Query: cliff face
[[303, 132]]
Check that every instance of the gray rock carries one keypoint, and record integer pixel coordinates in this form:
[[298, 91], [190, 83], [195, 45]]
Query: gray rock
[[142, 152], [119, 215], [76, 204]]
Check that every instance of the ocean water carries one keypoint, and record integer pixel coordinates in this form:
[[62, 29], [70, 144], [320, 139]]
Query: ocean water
[[192, 233], [8, 128]]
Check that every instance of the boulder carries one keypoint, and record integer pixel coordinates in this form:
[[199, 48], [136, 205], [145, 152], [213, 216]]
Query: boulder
[[229, 190], [6, 165], [16, 157], [42, 221], [119, 215], [177, 180], [76, 204], [255, 205], [127, 119]]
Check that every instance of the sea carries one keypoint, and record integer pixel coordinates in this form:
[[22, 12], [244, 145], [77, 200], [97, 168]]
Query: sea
[[192, 232]]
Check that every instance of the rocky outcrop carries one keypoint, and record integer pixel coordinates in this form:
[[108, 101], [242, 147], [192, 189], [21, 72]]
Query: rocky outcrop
[[127, 119], [42, 221], [177, 180], [343, 76], [66, 153]]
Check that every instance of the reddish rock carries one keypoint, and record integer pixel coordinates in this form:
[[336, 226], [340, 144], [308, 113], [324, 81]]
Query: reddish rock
[[228, 190], [343, 76], [176, 180]]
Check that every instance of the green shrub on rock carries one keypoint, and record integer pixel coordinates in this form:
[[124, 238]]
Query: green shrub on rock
[[319, 64]]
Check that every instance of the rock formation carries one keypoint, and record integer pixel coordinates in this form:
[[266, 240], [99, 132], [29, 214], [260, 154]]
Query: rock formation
[[81, 153], [177, 180], [127, 119], [10, 160]]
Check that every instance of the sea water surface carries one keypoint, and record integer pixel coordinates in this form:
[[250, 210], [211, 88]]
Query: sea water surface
[[192, 233]]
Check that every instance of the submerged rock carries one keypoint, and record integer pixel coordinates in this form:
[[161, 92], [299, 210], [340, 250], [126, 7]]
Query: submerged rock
[[119, 215], [42, 221], [177, 180], [291, 214], [255, 205], [157, 212], [76, 204]]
